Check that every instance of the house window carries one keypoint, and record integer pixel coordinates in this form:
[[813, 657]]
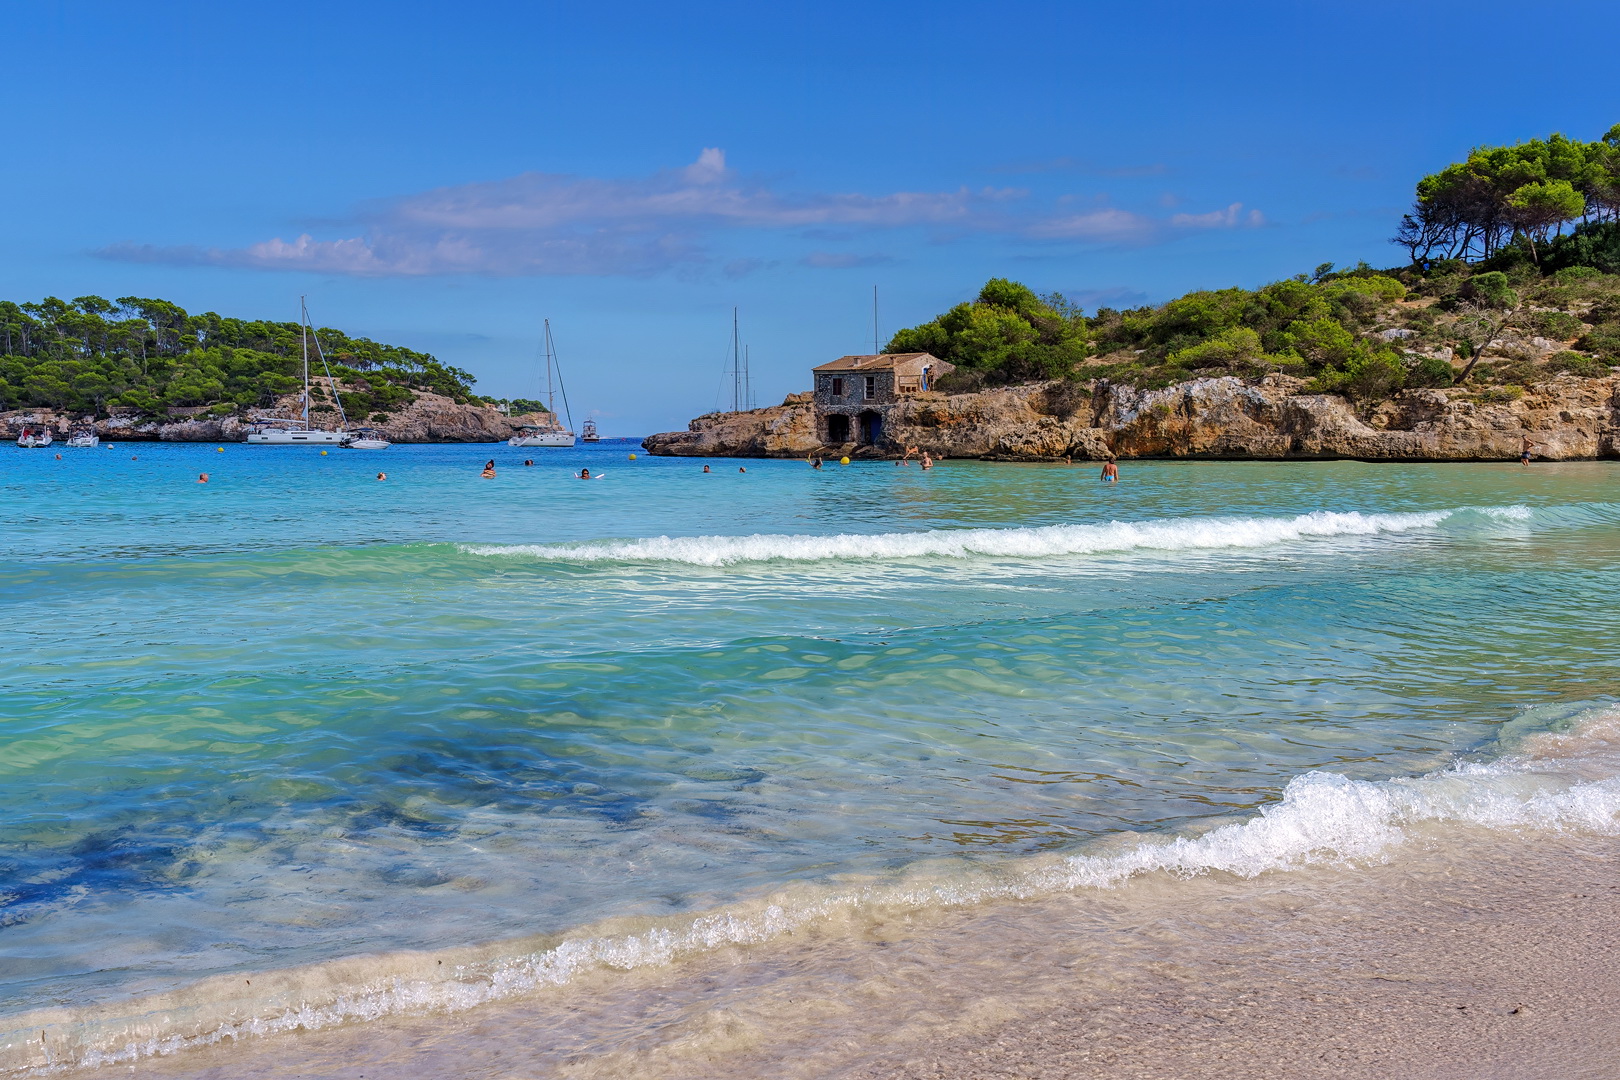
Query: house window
[[871, 387], [838, 387]]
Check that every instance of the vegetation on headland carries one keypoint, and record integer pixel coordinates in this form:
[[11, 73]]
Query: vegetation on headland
[[90, 355], [1515, 299]]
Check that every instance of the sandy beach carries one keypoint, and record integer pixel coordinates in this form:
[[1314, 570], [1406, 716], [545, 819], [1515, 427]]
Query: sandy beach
[[1485, 955]]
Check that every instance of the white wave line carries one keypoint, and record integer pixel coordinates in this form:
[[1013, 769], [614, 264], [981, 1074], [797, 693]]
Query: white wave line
[[1180, 534]]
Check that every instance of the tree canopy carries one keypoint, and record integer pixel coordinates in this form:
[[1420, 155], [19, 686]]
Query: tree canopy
[[1502, 195], [90, 354]]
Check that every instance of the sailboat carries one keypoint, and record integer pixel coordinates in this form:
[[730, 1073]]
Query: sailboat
[[553, 435], [270, 430]]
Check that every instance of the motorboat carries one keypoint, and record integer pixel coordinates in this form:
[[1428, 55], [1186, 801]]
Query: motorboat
[[271, 430], [553, 434], [587, 433], [34, 436], [83, 438], [365, 439]]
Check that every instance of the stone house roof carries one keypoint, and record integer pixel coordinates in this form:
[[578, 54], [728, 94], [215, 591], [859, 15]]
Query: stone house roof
[[902, 363]]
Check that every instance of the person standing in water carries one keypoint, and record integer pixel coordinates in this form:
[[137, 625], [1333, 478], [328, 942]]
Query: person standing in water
[[489, 470], [1524, 453], [1110, 472], [927, 462]]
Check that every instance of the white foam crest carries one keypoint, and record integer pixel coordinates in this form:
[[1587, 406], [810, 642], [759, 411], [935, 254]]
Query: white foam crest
[[1178, 534], [1322, 817]]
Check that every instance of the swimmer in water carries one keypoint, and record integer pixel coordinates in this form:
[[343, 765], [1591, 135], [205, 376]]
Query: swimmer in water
[[489, 471], [584, 474], [382, 476], [927, 462], [1110, 471], [202, 478], [705, 468], [816, 464], [530, 461], [741, 469]]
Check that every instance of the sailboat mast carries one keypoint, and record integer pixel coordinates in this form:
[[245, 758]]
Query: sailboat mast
[[551, 393], [736, 366], [303, 341]]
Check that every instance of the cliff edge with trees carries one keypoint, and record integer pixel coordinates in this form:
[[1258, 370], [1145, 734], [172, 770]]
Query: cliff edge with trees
[[1511, 295]]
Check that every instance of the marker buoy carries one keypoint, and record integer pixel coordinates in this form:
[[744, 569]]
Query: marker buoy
[[632, 457], [843, 461], [221, 450], [323, 453]]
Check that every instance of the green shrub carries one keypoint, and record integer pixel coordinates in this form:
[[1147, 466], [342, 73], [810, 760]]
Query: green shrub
[[1558, 325], [1573, 363], [1491, 289], [1430, 371], [1604, 340], [1498, 395], [1374, 374], [1227, 349]]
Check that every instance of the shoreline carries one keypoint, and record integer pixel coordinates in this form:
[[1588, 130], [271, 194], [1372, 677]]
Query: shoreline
[[1489, 954]]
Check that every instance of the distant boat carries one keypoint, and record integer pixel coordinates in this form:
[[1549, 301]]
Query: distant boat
[[84, 437], [588, 432], [270, 430], [551, 435], [34, 436], [365, 439]]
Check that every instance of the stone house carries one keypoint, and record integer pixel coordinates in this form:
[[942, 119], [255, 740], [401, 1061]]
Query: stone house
[[854, 394]]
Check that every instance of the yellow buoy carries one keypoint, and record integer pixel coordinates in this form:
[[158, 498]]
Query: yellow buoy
[[323, 453], [632, 457], [843, 461], [222, 450]]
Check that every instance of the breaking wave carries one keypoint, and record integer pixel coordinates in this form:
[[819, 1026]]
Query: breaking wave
[[1178, 534], [1563, 780]]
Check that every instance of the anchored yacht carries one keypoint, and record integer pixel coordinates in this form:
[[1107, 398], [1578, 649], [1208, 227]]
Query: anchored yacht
[[552, 435]]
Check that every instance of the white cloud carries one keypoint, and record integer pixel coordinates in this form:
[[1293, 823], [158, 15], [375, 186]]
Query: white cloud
[[1231, 217], [842, 260], [548, 223]]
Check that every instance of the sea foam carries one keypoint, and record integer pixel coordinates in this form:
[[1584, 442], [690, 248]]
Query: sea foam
[[1566, 780], [1176, 534]]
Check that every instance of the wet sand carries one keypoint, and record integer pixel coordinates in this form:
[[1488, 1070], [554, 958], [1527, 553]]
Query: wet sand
[[1472, 954]]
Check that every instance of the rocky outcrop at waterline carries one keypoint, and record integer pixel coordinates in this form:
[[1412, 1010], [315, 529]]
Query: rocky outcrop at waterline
[[1273, 418], [429, 418]]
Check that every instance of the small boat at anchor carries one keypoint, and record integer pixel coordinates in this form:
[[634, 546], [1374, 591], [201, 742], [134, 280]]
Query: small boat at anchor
[[588, 432], [552, 435], [270, 430], [365, 438], [84, 438], [34, 436]]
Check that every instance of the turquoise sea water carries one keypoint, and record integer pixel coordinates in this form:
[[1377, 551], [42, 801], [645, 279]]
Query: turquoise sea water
[[299, 714]]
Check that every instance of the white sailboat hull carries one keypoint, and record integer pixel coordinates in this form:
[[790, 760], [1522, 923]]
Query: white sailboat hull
[[296, 438], [543, 438]]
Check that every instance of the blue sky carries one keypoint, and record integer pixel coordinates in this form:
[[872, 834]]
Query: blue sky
[[445, 176]]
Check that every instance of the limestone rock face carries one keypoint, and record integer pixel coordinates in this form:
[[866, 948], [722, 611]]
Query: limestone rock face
[[1566, 418], [429, 418], [786, 430]]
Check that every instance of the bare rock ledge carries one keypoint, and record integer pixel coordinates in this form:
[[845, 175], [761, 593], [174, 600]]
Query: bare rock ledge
[[1568, 418]]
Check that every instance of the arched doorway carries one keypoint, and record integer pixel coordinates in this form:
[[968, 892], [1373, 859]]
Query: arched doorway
[[871, 427]]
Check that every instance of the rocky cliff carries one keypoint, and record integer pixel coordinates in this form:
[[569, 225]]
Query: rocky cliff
[[428, 418], [1567, 417]]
